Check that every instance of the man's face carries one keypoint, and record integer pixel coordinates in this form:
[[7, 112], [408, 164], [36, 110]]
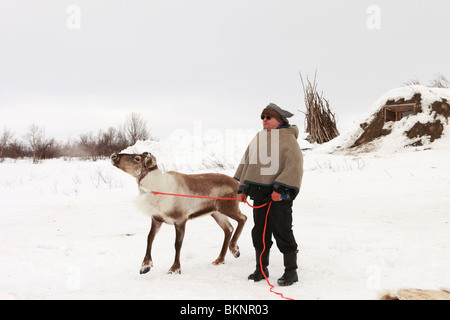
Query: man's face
[[270, 123]]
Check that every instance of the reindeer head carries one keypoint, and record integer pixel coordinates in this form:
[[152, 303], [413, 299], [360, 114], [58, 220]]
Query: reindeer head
[[134, 164]]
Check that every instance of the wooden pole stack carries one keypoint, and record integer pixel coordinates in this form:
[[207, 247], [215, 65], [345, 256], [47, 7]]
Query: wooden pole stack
[[320, 121]]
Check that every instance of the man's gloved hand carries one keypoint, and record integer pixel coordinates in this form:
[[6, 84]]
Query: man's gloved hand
[[242, 197], [276, 196]]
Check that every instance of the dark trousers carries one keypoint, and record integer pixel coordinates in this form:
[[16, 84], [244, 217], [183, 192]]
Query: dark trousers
[[279, 224]]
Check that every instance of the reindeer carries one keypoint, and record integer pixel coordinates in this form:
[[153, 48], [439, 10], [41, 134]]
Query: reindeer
[[178, 210]]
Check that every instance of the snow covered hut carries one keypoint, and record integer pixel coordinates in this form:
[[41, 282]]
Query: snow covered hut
[[409, 116]]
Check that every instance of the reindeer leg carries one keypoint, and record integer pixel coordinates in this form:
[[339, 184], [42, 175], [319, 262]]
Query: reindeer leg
[[179, 229], [148, 263], [227, 228], [231, 210], [241, 219]]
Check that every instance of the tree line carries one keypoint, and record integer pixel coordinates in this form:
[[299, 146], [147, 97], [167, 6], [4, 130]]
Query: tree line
[[34, 144]]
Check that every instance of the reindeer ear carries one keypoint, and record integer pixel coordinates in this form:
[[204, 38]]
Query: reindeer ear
[[149, 161]]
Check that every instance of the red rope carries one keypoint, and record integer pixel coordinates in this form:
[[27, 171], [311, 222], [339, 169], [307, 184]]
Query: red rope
[[204, 197], [254, 207], [260, 257], [189, 196]]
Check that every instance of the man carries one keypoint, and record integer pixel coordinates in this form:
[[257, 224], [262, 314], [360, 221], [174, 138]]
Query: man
[[272, 169]]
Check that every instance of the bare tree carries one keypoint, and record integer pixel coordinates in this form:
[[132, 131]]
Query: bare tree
[[88, 147], [49, 149], [4, 140], [134, 129], [440, 81], [109, 141], [34, 136], [37, 142], [17, 149], [412, 82]]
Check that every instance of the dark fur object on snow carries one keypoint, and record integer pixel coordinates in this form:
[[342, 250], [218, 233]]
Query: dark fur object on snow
[[417, 294]]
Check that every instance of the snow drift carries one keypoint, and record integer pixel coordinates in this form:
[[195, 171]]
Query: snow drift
[[192, 151]]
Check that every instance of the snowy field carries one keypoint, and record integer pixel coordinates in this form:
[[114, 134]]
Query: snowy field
[[365, 223]]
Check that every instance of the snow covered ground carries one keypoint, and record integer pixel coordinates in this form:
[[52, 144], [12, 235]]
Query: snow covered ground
[[365, 223]]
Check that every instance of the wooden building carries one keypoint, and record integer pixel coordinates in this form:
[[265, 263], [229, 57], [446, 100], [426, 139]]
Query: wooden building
[[396, 112]]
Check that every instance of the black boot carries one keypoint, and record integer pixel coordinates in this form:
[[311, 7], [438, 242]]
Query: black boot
[[290, 272], [257, 275]]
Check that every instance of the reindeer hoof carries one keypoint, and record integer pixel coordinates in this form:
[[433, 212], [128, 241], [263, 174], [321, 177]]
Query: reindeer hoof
[[218, 262], [236, 253], [174, 271], [144, 269]]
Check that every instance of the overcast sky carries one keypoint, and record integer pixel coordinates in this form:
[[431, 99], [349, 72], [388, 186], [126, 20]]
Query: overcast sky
[[83, 65]]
